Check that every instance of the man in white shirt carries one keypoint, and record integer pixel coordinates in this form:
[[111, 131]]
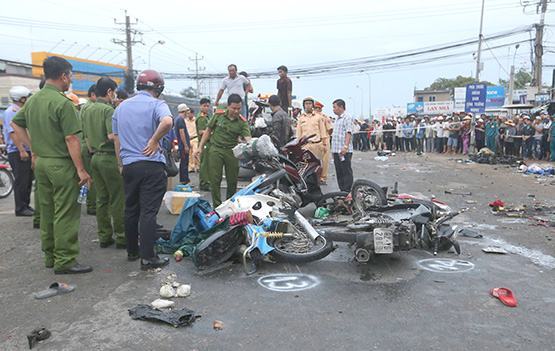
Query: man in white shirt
[[438, 129], [234, 84]]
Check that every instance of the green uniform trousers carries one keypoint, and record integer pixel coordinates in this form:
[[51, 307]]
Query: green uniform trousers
[[204, 181], [58, 190], [36, 215], [110, 199], [220, 158], [91, 197]]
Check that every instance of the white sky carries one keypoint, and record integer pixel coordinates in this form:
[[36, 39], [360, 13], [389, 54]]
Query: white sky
[[261, 35]]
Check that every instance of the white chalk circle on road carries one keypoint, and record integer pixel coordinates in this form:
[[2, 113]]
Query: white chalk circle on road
[[445, 265], [288, 282]]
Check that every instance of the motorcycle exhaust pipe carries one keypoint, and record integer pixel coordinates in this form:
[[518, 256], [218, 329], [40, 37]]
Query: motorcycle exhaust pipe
[[309, 229]]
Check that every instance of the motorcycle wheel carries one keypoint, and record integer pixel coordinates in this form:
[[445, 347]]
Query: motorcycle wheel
[[295, 250], [367, 194], [6, 183], [335, 203]]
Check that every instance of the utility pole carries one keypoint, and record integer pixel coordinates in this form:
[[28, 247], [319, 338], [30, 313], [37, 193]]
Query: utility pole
[[128, 44], [538, 47], [197, 70], [480, 38], [478, 69]]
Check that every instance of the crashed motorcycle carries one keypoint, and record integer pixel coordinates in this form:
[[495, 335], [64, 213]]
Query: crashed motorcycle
[[303, 169], [376, 223], [269, 229]]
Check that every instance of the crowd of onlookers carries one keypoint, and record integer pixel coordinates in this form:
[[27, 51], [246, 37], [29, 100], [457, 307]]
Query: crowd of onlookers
[[521, 135]]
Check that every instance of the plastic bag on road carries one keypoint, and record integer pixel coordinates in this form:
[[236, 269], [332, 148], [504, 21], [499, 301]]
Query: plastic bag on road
[[256, 147]]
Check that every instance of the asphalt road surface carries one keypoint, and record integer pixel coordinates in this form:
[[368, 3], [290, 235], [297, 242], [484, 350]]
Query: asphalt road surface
[[406, 301]]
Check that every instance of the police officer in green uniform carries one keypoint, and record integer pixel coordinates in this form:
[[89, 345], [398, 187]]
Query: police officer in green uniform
[[223, 131], [97, 130], [201, 123], [52, 122], [86, 153]]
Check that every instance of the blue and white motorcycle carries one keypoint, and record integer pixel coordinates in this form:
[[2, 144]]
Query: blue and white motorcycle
[[277, 233]]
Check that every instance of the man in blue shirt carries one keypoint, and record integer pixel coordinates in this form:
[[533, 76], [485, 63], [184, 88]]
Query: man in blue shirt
[[139, 124], [19, 155], [408, 134]]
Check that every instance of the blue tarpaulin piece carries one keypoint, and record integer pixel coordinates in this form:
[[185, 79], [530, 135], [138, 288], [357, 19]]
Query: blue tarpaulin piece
[[187, 231]]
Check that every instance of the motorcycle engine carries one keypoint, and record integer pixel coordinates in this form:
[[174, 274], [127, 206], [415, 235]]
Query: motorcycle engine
[[384, 238]]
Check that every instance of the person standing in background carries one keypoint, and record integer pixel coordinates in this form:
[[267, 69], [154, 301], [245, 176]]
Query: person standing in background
[[191, 125], [97, 131], [86, 154], [183, 142], [312, 123], [235, 84], [285, 88], [201, 123], [54, 128], [281, 123], [342, 146], [224, 131], [139, 124], [19, 155], [318, 106], [492, 130]]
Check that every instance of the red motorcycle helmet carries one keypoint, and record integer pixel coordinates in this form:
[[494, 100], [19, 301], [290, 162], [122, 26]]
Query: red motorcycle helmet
[[150, 79]]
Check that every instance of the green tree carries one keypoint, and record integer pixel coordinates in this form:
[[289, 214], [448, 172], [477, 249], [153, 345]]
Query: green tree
[[522, 79], [450, 83]]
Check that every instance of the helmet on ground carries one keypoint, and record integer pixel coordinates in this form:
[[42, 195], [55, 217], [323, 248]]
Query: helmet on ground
[[150, 79], [18, 92]]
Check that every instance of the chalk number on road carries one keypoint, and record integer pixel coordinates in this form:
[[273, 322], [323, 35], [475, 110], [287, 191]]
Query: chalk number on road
[[288, 282], [445, 265]]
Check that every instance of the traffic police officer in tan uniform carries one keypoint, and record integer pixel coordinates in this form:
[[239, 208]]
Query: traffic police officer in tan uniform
[[329, 127], [313, 123], [53, 126]]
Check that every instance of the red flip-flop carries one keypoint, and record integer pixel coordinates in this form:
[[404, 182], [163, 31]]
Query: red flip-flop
[[505, 295]]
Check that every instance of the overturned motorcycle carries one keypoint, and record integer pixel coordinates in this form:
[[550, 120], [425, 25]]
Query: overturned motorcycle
[[259, 224], [376, 224]]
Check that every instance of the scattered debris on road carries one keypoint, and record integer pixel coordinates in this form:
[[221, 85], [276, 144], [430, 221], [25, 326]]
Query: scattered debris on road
[[495, 250], [37, 335], [218, 325], [505, 295], [178, 318], [54, 289], [162, 303]]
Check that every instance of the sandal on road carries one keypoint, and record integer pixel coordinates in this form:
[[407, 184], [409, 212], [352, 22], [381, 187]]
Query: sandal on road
[[55, 288], [505, 295]]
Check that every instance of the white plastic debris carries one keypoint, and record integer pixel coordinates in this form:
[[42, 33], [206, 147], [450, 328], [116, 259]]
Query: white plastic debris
[[161, 303], [167, 291], [183, 290]]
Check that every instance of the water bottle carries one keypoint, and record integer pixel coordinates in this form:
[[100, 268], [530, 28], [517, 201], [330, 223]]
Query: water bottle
[[83, 192]]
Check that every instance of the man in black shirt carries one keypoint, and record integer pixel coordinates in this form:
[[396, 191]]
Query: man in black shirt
[[284, 88], [281, 124], [527, 138], [184, 143]]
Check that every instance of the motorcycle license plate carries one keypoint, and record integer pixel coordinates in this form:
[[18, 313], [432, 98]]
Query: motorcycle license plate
[[383, 241]]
